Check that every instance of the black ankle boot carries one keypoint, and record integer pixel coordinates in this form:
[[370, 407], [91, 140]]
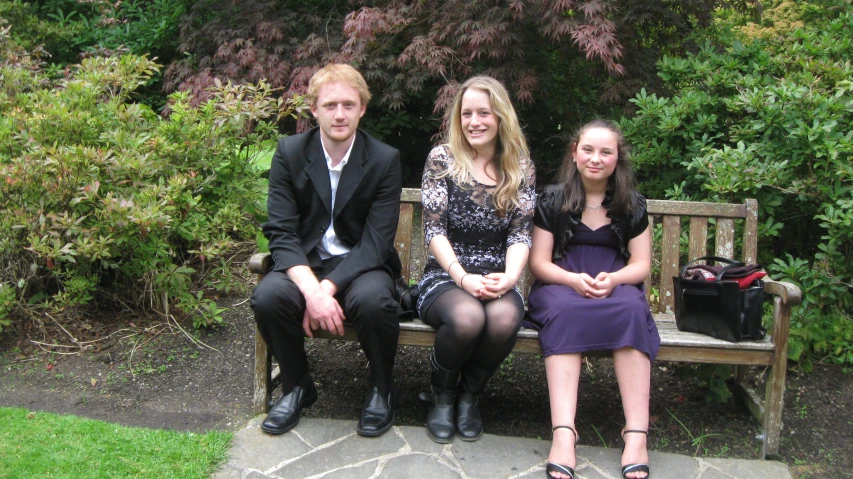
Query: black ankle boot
[[469, 424], [440, 426]]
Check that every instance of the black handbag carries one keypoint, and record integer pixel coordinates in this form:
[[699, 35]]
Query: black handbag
[[407, 296], [719, 308]]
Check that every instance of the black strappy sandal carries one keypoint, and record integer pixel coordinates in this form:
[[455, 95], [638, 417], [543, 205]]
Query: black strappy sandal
[[554, 467], [634, 467]]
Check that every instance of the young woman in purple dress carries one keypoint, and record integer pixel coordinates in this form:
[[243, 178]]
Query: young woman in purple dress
[[591, 252]]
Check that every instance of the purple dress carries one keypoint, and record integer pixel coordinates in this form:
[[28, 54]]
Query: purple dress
[[569, 323]]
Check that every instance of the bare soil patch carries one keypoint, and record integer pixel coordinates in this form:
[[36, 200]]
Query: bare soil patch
[[153, 375]]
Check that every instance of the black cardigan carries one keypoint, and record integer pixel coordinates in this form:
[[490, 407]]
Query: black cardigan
[[563, 224]]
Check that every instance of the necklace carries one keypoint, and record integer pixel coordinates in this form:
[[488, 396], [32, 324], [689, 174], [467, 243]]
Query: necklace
[[593, 208]]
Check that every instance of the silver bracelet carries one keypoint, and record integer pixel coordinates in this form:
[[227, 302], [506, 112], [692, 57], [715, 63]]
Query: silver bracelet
[[451, 265], [462, 279]]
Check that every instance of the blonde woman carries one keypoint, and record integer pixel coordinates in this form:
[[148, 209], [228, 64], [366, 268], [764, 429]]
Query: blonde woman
[[478, 203]]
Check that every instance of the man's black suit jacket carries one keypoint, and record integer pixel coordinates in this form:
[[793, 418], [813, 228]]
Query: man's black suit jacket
[[367, 206]]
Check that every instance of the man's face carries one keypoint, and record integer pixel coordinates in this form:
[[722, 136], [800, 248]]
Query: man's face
[[338, 110]]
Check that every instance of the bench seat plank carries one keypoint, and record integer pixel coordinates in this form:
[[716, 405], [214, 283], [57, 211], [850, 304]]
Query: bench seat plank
[[671, 336], [675, 345], [416, 333]]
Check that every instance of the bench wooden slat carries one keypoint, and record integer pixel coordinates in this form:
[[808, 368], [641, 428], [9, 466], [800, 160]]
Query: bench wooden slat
[[675, 346], [750, 232], [671, 336], [411, 195], [725, 238], [670, 250], [715, 356], [675, 353], [419, 252], [698, 237], [655, 207], [403, 239], [648, 281], [417, 333], [759, 354], [525, 282], [695, 208]]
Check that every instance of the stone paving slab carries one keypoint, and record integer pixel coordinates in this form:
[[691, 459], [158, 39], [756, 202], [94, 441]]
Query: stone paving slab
[[327, 448]]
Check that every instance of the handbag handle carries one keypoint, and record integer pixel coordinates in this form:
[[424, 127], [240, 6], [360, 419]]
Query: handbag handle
[[730, 263]]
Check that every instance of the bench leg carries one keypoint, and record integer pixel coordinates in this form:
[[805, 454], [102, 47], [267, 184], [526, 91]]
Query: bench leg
[[774, 400], [769, 410], [775, 394], [749, 394], [262, 393]]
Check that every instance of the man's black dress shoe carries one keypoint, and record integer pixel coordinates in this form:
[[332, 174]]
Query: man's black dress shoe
[[377, 416], [284, 416]]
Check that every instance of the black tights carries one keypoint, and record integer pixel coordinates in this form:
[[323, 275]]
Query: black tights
[[483, 332]]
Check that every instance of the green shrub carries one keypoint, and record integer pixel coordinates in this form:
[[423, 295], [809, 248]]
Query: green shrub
[[768, 117], [142, 26], [53, 25], [7, 304], [65, 28], [102, 201]]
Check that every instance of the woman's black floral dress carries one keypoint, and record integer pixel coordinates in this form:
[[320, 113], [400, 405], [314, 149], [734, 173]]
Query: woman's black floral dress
[[466, 216]]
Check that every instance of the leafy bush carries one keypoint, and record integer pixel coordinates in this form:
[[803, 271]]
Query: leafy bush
[[52, 25], [142, 26], [65, 28], [768, 117], [105, 202], [7, 303]]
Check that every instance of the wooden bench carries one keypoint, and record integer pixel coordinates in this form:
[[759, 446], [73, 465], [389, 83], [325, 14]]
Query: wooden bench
[[706, 221]]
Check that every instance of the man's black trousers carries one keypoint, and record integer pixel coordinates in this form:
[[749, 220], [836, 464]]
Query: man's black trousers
[[368, 303]]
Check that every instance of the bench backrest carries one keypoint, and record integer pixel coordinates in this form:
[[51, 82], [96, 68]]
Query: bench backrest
[[672, 242]]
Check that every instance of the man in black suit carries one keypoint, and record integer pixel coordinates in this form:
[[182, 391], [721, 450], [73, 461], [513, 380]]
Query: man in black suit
[[334, 202]]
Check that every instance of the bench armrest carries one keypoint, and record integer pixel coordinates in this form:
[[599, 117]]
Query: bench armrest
[[790, 293], [260, 263]]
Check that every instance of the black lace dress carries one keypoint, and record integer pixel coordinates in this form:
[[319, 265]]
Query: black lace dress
[[466, 216]]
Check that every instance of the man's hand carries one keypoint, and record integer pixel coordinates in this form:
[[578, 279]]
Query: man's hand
[[309, 325], [329, 287], [322, 310]]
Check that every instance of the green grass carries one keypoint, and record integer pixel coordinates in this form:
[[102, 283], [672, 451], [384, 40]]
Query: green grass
[[46, 445]]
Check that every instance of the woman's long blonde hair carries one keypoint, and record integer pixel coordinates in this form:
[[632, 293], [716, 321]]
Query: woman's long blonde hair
[[511, 147]]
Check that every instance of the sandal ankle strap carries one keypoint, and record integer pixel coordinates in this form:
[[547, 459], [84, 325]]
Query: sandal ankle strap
[[570, 428], [626, 431]]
